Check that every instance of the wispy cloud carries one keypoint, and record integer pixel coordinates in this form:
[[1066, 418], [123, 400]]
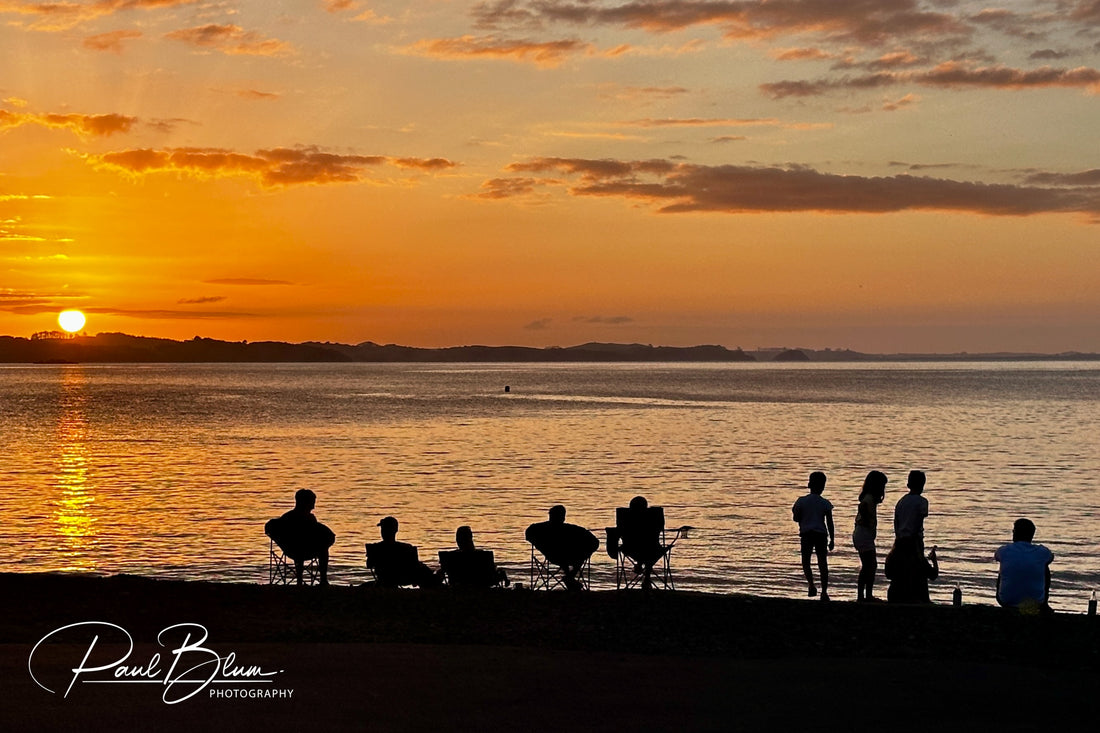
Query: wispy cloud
[[540, 324], [246, 281], [680, 187], [83, 125], [724, 122], [111, 41], [201, 300], [949, 75], [604, 320], [65, 14], [232, 40], [547, 54], [272, 168]]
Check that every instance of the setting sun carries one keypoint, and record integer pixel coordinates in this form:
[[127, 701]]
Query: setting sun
[[71, 321]]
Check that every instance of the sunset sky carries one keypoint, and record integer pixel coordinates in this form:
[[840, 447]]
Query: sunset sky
[[886, 175]]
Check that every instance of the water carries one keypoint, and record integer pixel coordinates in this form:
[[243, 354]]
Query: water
[[171, 470]]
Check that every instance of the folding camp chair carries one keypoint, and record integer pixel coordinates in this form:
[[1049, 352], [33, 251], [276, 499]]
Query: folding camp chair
[[638, 540], [471, 569], [396, 565], [545, 575], [280, 568]]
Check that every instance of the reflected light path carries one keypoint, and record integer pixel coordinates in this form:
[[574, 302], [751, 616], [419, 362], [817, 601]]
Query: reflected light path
[[72, 511]]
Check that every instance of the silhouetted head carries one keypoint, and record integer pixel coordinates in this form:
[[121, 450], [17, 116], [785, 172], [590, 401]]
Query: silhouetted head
[[557, 514], [389, 528], [874, 485], [817, 482], [1023, 530], [305, 499], [464, 538], [916, 482], [638, 503]]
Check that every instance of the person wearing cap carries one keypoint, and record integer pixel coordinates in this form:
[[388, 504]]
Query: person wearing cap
[[397, 563]]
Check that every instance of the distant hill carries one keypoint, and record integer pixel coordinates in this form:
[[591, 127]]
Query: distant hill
[[121, 348], [113, 348]]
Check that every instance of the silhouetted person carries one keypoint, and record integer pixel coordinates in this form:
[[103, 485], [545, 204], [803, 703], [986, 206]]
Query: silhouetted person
[[814, 514], [301, 537], [397, 563], [866, 530], [566, 545], [909, 571], [469, 567], [1023, 580], [911, 510], [637, 535]]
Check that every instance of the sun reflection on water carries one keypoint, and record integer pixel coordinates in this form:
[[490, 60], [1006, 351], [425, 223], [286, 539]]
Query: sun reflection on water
[[76, 524]]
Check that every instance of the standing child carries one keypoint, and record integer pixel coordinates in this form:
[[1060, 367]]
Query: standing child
[[814, 515]]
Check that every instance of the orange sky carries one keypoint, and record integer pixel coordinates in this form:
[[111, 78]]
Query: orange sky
[[894, 175]]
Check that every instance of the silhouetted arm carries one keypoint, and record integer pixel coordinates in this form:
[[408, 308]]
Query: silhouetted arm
[[832, 531]]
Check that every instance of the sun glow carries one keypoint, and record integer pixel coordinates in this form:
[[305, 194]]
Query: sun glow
[[71, 321]]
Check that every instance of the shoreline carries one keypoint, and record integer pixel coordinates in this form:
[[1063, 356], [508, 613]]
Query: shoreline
[[422, 660]]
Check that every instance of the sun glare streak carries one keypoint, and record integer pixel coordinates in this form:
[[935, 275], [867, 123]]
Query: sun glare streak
[[76, 528]]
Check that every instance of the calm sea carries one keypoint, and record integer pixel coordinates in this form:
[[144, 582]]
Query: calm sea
[[171, 470]]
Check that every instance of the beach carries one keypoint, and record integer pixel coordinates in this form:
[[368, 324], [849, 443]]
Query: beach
[[363, 658]]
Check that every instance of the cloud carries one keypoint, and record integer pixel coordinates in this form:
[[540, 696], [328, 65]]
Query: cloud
[[272, 168], [506, 188], [950, 75], [231, 39], [168, 315], [681, 187], [540, 324], [246, 281], [111, 41], [546, 54], [201, 300], [876, 22], [641, 93], [728, 138], [724, 122], [64, 14], [82, 124], [1082, 178], [605, 320], [256, 95]]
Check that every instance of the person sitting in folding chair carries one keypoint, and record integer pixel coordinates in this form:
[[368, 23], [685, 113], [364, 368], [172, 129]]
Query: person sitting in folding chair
[[301, 537], [566, 545], [468, 567], [395, 564], [637, 535]]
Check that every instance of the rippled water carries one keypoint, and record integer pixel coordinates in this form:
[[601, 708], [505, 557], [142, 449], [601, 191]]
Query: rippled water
[[171, 470]]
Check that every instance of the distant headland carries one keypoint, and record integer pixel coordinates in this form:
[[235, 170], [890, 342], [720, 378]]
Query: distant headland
[[113, 348]]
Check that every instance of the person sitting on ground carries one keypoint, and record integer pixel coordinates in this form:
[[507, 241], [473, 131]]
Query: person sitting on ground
[[469, 567], [1023, 580], [301, 537], [814, 514], [909, 571], [397, 563], [566, 545]]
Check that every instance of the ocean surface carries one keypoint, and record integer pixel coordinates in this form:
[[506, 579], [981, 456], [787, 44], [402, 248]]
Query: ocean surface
[[172, 470]]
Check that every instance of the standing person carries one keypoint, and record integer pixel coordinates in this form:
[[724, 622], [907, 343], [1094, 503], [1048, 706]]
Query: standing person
[[866, 530], [814, 514], [1023, 580], [911, 510], [909, 571]]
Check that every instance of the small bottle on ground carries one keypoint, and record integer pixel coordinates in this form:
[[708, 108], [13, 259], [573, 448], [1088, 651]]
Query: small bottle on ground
[[957, 596]]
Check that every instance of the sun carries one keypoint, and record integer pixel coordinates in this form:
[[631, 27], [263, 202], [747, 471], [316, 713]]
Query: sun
[[71, 321]]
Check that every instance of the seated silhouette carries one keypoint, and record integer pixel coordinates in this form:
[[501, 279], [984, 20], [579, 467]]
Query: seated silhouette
[[301, 537], [566, 545], [637, 535], [468, 567], [394, 563], [909, 571]]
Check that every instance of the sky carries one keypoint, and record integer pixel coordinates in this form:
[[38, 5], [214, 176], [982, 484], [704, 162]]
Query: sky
[[885, 176]]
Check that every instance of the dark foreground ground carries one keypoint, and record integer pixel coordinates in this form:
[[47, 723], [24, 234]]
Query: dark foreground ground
[[361, 659]]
